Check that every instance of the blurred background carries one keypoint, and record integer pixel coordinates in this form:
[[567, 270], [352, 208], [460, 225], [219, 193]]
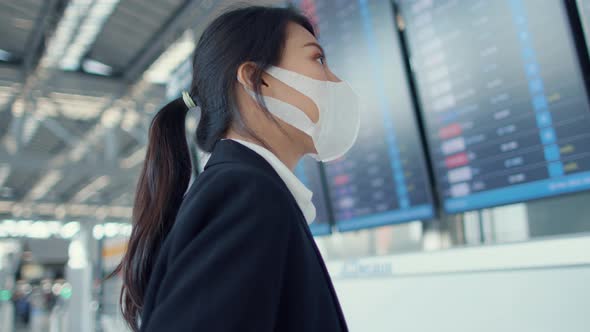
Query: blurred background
[[464, 205]]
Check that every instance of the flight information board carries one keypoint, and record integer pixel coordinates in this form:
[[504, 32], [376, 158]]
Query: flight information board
[[308, 171], [383, 179], [503, 99]]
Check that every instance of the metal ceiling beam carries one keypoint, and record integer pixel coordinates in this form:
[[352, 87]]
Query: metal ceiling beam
[[16, 130], [10, 74], [67, 82], [93, 212], [45, 25], [58, 130], [30, 162], [117, 174], [191, 12], [80, 83], [38, 82], [62, 82]]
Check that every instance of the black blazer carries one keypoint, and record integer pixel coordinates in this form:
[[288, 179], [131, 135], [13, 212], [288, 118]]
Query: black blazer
[[240, 257]]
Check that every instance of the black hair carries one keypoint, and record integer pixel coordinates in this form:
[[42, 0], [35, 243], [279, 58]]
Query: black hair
[[250, 34]]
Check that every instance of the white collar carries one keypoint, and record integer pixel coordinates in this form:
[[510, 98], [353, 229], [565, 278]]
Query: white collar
[[299, 191]]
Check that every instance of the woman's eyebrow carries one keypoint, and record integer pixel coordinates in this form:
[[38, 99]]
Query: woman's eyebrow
[[314, 44]]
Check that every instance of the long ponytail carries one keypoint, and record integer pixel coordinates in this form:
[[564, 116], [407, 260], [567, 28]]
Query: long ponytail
[[163, 180]]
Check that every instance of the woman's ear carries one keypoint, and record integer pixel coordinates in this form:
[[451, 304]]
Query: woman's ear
[[246, 73], [246, 76]]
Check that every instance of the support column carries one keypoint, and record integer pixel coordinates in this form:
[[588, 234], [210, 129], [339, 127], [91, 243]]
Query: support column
[[80, 315]]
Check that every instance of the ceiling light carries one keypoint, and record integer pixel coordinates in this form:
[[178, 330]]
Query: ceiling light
[[90, 26], [98, 232], [64, 33], [39, 230], [70, 229], [5, 56], [111, 117], [95, 67], [179, 51], [126, 229], [111, 229]]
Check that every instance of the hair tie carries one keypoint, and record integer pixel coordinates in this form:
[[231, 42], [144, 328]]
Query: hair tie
[[188, 100]]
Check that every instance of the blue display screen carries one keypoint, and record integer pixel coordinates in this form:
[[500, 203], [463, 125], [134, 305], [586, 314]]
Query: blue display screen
[[383, 179], [503, 99]]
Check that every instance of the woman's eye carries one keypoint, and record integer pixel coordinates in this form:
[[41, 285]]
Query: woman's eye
[[321, 59]]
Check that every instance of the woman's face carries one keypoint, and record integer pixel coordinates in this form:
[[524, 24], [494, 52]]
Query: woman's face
[[302, 54]]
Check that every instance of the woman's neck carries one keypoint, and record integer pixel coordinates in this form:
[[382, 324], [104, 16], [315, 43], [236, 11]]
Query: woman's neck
[[281, 148]]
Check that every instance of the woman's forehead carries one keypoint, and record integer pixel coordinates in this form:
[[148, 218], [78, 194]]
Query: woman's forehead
[[298, 36]]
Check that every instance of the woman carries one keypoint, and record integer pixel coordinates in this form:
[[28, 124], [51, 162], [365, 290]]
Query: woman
[[235, 253]]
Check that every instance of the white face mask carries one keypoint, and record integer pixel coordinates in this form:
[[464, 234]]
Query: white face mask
[[339, 112]]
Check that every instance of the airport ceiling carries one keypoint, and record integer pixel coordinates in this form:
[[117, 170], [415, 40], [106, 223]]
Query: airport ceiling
[[79, 83]]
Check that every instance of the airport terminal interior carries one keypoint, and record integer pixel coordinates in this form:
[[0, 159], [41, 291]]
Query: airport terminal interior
[[463, 205]]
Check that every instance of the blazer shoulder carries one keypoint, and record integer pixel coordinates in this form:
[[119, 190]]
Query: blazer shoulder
[[239, 177], [234, 193]]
